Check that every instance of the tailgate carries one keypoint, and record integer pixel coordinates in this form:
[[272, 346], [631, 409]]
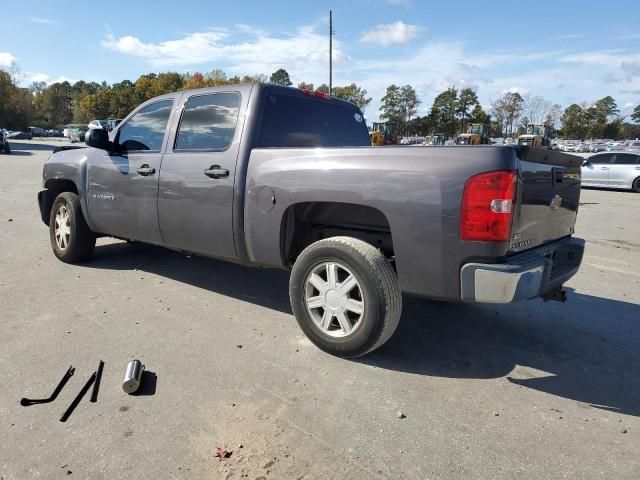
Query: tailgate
[[547, 197]]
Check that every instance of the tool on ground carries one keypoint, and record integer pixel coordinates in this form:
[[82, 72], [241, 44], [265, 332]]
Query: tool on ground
[[96, 384], [133, 376], [25, 402], [76, 401]]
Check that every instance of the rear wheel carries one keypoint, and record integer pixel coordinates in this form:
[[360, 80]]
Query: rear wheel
[[345, 296], [7, 148], [71, 239]]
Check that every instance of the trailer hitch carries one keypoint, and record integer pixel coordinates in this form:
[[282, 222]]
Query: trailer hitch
[[25, 402], [556, 295]]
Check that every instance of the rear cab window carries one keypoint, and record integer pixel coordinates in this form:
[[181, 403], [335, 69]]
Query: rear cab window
[[293, 120]]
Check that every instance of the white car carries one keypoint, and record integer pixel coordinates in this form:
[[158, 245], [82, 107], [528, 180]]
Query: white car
[[620, 169], [103, 124]]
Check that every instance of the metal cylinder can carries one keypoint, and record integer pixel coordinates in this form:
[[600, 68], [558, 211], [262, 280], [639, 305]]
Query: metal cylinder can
[[132, 376]]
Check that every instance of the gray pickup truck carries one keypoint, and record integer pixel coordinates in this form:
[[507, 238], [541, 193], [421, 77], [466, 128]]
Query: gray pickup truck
[[280, 177]]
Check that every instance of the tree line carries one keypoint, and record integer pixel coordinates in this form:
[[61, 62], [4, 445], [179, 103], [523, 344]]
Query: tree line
[[452, 110]]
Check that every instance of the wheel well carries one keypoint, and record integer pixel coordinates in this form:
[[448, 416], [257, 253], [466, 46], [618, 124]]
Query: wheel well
[[54, 187], [306, 223]]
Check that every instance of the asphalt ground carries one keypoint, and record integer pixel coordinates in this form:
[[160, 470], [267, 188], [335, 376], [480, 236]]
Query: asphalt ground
[[532, 390]]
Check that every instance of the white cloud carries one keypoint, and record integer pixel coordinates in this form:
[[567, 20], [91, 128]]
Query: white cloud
[[6, 59], [390, 34], [41, 20], [304, 52], [46, 78]]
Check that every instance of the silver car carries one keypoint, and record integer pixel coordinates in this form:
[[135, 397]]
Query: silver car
[[613, 170]]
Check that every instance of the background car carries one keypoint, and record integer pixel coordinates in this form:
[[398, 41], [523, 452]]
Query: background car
[[619, 169], [77, 134], [4, 143], [20, 135]]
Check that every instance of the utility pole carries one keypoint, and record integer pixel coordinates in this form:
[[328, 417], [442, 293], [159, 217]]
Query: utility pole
[[330, 52]]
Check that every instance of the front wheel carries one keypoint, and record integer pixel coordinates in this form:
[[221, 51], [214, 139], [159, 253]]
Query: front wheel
[[71, 239], [345, 296], [636, 185], [7, 148]]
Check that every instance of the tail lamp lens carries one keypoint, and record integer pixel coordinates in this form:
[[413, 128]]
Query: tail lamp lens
[[487, 206]]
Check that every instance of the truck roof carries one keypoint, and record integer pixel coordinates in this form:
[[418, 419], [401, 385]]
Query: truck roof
[[246, 88]]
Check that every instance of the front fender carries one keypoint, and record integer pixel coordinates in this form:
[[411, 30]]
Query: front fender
[[68, 165]]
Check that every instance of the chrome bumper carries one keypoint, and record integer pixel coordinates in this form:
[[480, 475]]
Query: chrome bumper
[[523, 276]]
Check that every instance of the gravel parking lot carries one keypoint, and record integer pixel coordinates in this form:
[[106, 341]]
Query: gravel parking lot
[[530, 391]]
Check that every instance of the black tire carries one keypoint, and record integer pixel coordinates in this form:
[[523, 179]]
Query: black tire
[[636, 185], [380, 295], [81, 241], [7, 148]]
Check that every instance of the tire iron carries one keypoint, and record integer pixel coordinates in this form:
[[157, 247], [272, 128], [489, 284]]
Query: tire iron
[[25, 402]]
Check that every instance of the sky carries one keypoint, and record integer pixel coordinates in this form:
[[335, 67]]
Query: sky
[[568, 51]]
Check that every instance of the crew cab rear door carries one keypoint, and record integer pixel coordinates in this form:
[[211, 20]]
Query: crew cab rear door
[[547, 197], [123, 184], [195, 197]]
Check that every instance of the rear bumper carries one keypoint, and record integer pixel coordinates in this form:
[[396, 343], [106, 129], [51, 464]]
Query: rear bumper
[[523, 276]]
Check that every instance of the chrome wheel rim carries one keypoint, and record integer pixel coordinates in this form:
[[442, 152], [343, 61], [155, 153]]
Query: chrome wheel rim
[[334, 299], [62, 227]]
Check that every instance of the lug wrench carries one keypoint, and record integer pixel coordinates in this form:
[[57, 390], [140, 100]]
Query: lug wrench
[[25, 402]]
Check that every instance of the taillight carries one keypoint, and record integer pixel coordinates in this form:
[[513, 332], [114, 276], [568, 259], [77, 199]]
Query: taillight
[[487, 206]]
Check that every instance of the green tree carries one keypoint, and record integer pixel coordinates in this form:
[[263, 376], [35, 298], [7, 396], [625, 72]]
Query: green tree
[[280, 77], [478, 115], [354, 94], [574, 122], [636, 114], [391, 108], [467, 100], [443, 112], [307, 86]]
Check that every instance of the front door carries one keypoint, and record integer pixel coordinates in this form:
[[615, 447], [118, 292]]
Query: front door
[[123, 184], [596, 170], [195, 197]]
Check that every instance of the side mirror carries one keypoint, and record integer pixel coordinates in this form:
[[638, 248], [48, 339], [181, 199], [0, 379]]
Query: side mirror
[[97, 138]]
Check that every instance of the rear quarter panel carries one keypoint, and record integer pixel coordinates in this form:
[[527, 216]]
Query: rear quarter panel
[[418, 189]]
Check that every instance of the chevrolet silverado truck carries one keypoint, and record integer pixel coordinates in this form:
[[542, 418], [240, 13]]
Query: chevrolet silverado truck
[[272, 176]]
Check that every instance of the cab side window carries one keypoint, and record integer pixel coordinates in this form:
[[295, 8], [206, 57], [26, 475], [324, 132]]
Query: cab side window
[[145, 130], [208, 122]]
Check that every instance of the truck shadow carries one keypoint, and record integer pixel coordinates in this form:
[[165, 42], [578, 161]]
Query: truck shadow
[[24, 147], [266, 287], [585, 350]]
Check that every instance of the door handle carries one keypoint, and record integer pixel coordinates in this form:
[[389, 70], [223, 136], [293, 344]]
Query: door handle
[[216, 172], [145, 170], [604, 168]]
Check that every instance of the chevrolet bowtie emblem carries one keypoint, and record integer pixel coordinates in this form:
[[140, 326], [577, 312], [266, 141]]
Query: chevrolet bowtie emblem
[[556, 202]]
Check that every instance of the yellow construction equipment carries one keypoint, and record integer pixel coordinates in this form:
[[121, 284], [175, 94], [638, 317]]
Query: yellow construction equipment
[[536, 136], [476, 134], [383, 133]]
